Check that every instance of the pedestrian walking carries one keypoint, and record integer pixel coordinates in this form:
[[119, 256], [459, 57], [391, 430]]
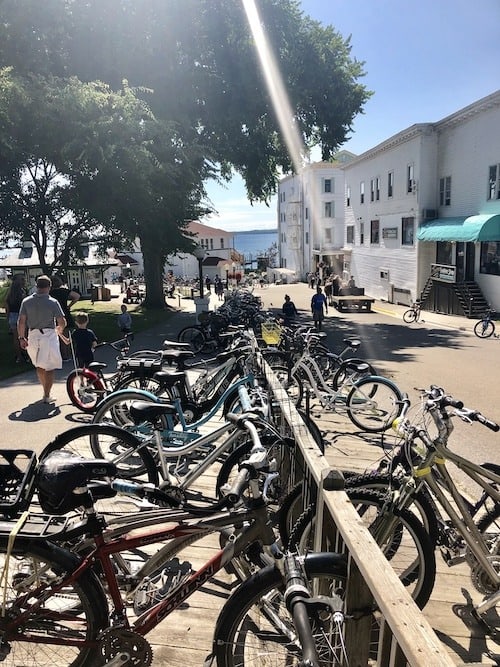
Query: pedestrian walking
[[219, 289], [84, 341], [42, 319], [208, 282], [319, 307], [289, 311], [13, 299], [328, 291], [67, 297]]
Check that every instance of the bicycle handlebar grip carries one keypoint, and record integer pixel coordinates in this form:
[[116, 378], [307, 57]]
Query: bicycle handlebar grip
[[449, 401], [238, 486], [493, 426]]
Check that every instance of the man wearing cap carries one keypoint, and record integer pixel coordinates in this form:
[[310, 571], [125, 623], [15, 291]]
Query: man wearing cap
[[42, 319]]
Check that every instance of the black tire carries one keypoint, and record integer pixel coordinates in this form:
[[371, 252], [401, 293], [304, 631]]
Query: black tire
[[105, 441], [343, 372], [85, 391], [422, 504], [374, 403], [194, 336], [408, 546], [291, 383], [244, 632], [484, 329], [77, 612], [410, 316], [114, 409], [143, 382]]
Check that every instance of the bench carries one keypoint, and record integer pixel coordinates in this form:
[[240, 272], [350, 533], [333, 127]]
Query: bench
[[352, 298]]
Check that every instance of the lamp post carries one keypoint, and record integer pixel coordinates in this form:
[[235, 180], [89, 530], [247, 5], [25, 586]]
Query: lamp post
[[233, 266], [226, 268], [199, 252]]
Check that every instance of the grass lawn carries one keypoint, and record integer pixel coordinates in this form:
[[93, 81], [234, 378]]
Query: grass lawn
[[102, 320]]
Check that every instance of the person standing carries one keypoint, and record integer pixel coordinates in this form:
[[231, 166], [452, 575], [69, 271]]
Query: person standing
[[84, 341], [124, 320], [42, 317], [289, 311], [67, 298], [319, 307], [16, 293]]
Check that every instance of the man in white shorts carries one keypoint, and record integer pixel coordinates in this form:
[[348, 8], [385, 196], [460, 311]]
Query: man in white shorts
[[42, 317]]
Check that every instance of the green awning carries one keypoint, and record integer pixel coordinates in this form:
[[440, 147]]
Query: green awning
[[474, 228]]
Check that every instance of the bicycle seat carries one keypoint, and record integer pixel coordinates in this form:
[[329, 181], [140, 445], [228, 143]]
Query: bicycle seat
[[61, 473], [177, 355], [352, 342], [96, 366], [141, 411], [174, 344], [355, 366]]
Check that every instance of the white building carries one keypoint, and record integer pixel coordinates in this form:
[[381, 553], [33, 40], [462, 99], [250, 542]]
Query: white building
[[311, 217], [421, 214]]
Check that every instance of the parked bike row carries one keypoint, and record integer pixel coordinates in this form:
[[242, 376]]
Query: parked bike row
[[101, 533]]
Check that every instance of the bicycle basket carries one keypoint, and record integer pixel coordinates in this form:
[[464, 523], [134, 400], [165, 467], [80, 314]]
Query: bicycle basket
[[17, 468], [270, 332]]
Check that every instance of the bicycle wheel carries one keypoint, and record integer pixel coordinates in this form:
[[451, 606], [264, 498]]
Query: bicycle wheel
[[114, 409], [407, 545], [255, 628], [489, 526], [292, 384], [85, 390], [194, 336], [410, 316], [374, 403], [145, 383], [42, 627], [132, 458], [484, 328]]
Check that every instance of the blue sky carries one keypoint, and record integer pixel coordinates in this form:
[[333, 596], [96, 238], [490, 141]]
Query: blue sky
[[423, 61]]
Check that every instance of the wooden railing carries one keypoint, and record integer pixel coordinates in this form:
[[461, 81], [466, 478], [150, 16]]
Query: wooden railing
[[397, 634]]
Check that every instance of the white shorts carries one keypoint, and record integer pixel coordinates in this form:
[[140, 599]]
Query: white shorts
[[43, 349]]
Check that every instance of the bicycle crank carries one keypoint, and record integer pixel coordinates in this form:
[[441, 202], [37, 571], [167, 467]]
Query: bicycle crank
[[115, 643]]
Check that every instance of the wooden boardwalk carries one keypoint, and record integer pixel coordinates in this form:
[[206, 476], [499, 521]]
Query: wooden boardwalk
[[184, 638]]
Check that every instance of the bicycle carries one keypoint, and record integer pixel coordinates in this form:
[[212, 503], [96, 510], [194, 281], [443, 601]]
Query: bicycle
[[371, 402], [87, 386], [462, 534], [55, 607], [485, 328], [413, 313]]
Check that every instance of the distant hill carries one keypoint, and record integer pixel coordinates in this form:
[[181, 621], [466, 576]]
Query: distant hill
[[257, 231]]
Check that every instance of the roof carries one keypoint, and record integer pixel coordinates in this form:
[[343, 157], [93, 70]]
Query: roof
[[126, 259], [474, 228], [27, 257]]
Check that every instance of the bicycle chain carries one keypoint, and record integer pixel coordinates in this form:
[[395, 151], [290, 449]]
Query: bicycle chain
[[114, 641]]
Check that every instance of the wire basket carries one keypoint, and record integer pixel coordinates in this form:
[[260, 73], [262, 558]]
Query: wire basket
[[17, 473], [270, 332]]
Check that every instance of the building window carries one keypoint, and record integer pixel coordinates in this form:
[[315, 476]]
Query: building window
[[362, 192], [362, 233], [407, 231], [375, 232], [377, 189], [329, 209], [410, 179], [328, 234], [327, 185], [307, 214], [390, 184], [445, 191], [307, 238], [350, 234], [490, 257], [222, 243], [211, 244], [494, 182], [348, 195], [372, 189]]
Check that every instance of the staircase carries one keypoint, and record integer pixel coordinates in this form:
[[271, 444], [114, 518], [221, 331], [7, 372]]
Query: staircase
[[468, 294]]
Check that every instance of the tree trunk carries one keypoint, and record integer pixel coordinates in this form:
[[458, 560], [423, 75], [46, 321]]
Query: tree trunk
[[153, 277]]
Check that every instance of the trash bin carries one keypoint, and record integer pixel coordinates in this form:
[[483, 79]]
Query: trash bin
[[105, 294], [96, 293]]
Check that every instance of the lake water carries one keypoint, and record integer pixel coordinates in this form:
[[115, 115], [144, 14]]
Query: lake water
[[254, 244]]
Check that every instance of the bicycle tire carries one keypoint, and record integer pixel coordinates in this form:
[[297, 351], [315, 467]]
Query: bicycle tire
[[374, 403], [143, 382], [78, 612], [114, 409], [245, 630], [292, 384], [85, 390], [410, 316], [409, 549], [194, 336], [105, 441], [484, 329], [422, 504]]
